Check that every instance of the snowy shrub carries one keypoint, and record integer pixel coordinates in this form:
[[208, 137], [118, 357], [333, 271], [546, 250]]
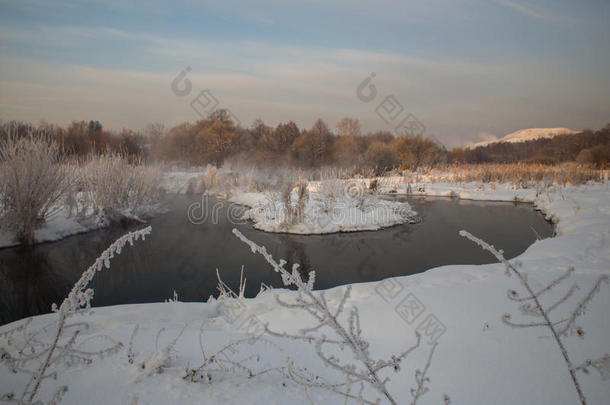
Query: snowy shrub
[[41, 351], [33, 181], [294, 210], [115, 188], [287, 202], [531, 305], [285, 199], [362, 369]]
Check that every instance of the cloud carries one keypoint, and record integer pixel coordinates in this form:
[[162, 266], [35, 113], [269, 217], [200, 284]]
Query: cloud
[[456, 98], [529, 11]]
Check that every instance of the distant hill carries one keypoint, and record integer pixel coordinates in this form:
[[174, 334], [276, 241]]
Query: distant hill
[[525, 135], [541, 145]]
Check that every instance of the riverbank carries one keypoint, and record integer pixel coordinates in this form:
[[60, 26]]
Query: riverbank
[[65, 222], [479, 359], [331, 205]]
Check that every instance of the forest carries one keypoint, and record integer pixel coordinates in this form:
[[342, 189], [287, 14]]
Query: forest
[[217, 140]]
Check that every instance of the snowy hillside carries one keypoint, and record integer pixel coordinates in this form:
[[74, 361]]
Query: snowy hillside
[[529, 134]]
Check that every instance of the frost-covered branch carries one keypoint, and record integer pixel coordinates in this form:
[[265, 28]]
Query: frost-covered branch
[[363, 369], [224, 362], [421, 378], [532, 306], [159, 360], [602, 365], [35, 356]]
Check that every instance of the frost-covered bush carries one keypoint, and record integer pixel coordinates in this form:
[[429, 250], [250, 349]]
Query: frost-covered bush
[[33, 181], [116, 188]]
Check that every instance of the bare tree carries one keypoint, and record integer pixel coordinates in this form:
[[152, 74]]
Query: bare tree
[[348, 127], [154, 130]]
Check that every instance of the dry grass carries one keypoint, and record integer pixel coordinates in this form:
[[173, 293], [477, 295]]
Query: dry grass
[[521, 174]]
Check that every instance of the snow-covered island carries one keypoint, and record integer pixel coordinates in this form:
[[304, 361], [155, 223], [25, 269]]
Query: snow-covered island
[[323, 215], [479, 358]]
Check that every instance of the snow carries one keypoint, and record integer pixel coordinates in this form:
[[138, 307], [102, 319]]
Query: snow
[[347, 206], [65, 223], [59, 226], [525, 135], [323, 215], [479, 360]]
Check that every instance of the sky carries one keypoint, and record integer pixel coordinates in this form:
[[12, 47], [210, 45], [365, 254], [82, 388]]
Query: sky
[[465, 70]]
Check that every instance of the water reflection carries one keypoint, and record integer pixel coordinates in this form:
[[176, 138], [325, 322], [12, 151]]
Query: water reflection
[[31, 282], [181, 256]]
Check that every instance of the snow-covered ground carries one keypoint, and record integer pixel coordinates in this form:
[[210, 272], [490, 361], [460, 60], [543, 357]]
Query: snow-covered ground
[[479, 359]]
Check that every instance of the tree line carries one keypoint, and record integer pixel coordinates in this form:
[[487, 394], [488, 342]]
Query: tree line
[[82, 138], [217, 140]]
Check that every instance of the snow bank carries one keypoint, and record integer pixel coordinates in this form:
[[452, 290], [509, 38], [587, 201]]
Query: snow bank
[[479, 359], [64, 224], [59, 226]]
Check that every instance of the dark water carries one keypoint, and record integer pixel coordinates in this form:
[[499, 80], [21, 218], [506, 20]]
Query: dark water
[[182, 256]]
